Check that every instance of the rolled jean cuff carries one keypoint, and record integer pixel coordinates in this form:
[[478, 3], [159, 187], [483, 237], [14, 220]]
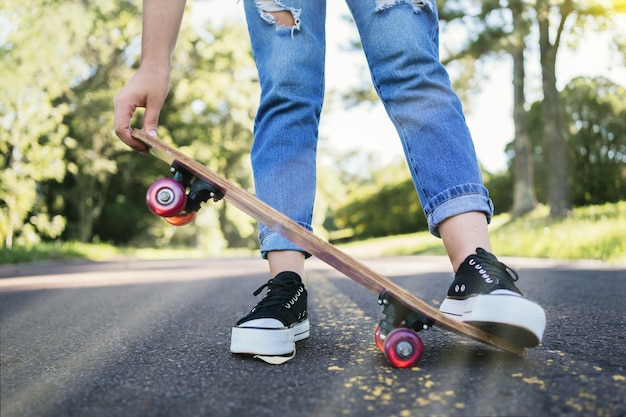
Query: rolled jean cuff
[[457, 200], [273, 241]]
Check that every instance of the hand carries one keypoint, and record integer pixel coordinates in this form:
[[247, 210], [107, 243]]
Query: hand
[[147, 89]]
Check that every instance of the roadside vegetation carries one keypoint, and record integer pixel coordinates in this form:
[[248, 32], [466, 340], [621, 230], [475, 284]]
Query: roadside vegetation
[[592, 232], [69, 189]]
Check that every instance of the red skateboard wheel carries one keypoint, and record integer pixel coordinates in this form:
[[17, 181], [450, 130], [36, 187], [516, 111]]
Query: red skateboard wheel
[[403, 348], [180, 220], [166, 197], [379, 339]]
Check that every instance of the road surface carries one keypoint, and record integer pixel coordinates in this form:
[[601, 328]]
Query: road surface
[[151, 338]]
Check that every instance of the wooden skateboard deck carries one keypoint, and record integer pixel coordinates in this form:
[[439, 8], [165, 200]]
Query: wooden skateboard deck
[[353, 269]]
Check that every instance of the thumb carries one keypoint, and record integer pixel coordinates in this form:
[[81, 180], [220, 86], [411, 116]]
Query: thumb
[[151, 121]]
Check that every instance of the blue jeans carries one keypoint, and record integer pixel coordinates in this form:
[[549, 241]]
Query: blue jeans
[[400, 39]]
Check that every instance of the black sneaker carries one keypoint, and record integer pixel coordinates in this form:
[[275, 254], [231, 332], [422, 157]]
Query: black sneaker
[[484, 295], [278, 321]]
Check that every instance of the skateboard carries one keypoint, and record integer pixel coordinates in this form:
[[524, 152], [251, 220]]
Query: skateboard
[[177, 199]]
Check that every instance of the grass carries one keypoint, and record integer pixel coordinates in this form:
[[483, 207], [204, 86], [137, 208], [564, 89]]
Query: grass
[[593, 232], [98, 252]]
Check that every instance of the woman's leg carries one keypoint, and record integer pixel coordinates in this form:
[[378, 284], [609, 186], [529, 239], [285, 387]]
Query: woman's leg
[[400, 40], [288, 43]]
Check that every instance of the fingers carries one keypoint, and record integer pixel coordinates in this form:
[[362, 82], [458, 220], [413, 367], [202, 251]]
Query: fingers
[[146, 89], [123, 113]]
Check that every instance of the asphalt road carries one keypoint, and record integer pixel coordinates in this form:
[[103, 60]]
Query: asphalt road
[[152, 338]]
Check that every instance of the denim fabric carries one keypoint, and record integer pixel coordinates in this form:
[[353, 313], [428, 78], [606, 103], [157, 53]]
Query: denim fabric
[[400, 40]]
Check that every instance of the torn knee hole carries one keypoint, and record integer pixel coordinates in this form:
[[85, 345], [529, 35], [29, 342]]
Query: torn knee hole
[[283, 18], [274, 12], [382, 5]]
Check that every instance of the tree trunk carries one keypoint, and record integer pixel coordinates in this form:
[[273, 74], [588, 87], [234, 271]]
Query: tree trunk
[[10, 210], [92, 192], [524, 197], [85, 185], [555, 146]]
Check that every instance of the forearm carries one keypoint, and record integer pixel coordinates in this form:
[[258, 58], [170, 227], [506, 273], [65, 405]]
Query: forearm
[[161, 24]]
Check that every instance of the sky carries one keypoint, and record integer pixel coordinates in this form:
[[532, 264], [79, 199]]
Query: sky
[[366, 128]]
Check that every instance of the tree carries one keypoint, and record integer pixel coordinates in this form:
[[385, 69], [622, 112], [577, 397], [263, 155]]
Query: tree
[[64, 60], [91, 149], [524, 196], [595, 113], [62, 64], [553, 20], [501, 27], [554, 137], [37, 61]]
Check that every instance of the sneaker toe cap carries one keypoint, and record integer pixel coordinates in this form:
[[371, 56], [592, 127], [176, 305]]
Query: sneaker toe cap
[[266, 323]]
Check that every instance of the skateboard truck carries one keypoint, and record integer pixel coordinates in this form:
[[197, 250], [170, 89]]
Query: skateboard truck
[[169, 198], [396, 334], [397, 315], [199, 191]]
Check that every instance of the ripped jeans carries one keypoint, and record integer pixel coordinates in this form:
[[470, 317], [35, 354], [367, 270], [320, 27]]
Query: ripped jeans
[[400, 39]]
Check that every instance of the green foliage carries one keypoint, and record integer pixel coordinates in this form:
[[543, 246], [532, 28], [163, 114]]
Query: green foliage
[[592, 232], [596, 113], [500, 186], [38, 252], [64, 173], [101, 252], [386, 207], [60, 61], [34, 57]]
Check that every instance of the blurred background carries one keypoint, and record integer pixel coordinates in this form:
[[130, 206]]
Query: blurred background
[[543, 84]]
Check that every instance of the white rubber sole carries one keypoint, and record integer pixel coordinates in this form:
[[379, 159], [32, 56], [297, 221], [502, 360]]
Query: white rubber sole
[[267, 341], [503, 313]]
